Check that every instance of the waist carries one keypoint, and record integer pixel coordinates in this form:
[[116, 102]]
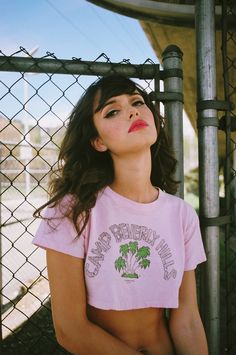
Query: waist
[[144, 328]]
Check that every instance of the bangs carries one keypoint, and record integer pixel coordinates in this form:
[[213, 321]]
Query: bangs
[[116, 86]]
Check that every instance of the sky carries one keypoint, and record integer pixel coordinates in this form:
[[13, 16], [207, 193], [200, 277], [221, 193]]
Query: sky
[[72, 28], [69, 29]]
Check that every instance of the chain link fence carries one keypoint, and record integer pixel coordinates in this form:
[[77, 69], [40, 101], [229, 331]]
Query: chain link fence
[[36, 98], [228, 125], [32, 122]]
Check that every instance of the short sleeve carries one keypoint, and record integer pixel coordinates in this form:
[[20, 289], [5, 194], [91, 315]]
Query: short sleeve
[[194, 249], [58, 233]]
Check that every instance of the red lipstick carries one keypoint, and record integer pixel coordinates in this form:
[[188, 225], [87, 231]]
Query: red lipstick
[[136, 125]]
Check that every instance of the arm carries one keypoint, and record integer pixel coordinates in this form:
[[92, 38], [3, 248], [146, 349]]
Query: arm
[[185, 324], [74, 331]]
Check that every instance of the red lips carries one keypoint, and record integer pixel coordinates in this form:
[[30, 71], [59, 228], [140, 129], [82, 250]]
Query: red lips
[[136, 125]]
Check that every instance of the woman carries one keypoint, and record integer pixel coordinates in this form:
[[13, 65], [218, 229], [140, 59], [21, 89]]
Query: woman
[[120, 247]]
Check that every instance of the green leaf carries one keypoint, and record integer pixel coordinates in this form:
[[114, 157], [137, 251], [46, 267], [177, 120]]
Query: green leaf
[[144, 263], [124, 249], [142, 253], [120, 264], [133, 246]]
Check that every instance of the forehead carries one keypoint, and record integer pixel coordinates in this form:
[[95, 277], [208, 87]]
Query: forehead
[[101, 101]]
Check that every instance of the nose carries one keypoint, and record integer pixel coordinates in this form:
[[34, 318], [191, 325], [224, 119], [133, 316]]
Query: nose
[[133, 113]]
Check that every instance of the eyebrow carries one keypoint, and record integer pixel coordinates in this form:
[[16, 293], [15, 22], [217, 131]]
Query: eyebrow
[[109, 102], [101, 106]]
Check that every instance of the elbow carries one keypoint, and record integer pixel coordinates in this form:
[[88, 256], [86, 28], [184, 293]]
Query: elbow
[[185, 325], [179, 330], [66, 341], [186, 329], [73, 339]]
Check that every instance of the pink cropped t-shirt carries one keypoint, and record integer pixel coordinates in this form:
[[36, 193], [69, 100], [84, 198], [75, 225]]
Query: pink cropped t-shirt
[[134, 253]]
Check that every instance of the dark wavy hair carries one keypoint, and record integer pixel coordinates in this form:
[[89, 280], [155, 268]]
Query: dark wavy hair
[[83, 171]]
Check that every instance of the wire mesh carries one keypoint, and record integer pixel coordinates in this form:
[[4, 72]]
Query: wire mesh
[[35, 105]]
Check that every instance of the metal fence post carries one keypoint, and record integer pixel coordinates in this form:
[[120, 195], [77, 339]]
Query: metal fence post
[[172, 59], [208, 165]]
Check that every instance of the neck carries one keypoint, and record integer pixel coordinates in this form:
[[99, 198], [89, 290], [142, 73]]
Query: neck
[[132, 178]]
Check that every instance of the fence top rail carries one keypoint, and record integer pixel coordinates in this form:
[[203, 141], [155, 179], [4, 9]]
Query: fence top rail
[[77, 66]]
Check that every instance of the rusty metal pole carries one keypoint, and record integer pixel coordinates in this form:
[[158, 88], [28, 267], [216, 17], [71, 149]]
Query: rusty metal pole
[[172, 59]]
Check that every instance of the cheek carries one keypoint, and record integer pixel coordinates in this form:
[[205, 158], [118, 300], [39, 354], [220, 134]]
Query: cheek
[[110, 132], [151, 121], [155, 129], [146, 113], [153, 134]]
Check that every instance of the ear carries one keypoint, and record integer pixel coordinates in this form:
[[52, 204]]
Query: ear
[[98, 144]]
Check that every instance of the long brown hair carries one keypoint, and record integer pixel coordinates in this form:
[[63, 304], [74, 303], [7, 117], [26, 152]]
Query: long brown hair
[[83, 171]]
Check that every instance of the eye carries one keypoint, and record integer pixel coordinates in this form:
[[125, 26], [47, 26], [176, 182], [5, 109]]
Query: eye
[[138, 102], [111, 113]]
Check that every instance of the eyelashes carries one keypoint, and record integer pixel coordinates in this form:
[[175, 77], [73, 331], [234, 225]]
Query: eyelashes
[[139, 103], [111, 113], [114, 112]]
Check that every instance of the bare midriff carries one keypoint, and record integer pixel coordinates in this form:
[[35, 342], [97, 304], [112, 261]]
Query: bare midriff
[[142, 329]]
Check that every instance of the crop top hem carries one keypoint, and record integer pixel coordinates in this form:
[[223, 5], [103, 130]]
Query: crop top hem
[[127, 307]]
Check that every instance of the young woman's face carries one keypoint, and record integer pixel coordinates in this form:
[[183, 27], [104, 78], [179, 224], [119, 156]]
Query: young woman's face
[[125, 125]]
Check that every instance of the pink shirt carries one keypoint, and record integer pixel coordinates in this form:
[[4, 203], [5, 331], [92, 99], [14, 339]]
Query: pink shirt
[[134, 253]]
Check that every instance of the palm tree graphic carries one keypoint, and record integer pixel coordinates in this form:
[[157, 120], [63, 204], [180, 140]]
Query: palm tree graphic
[[132, 258]]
